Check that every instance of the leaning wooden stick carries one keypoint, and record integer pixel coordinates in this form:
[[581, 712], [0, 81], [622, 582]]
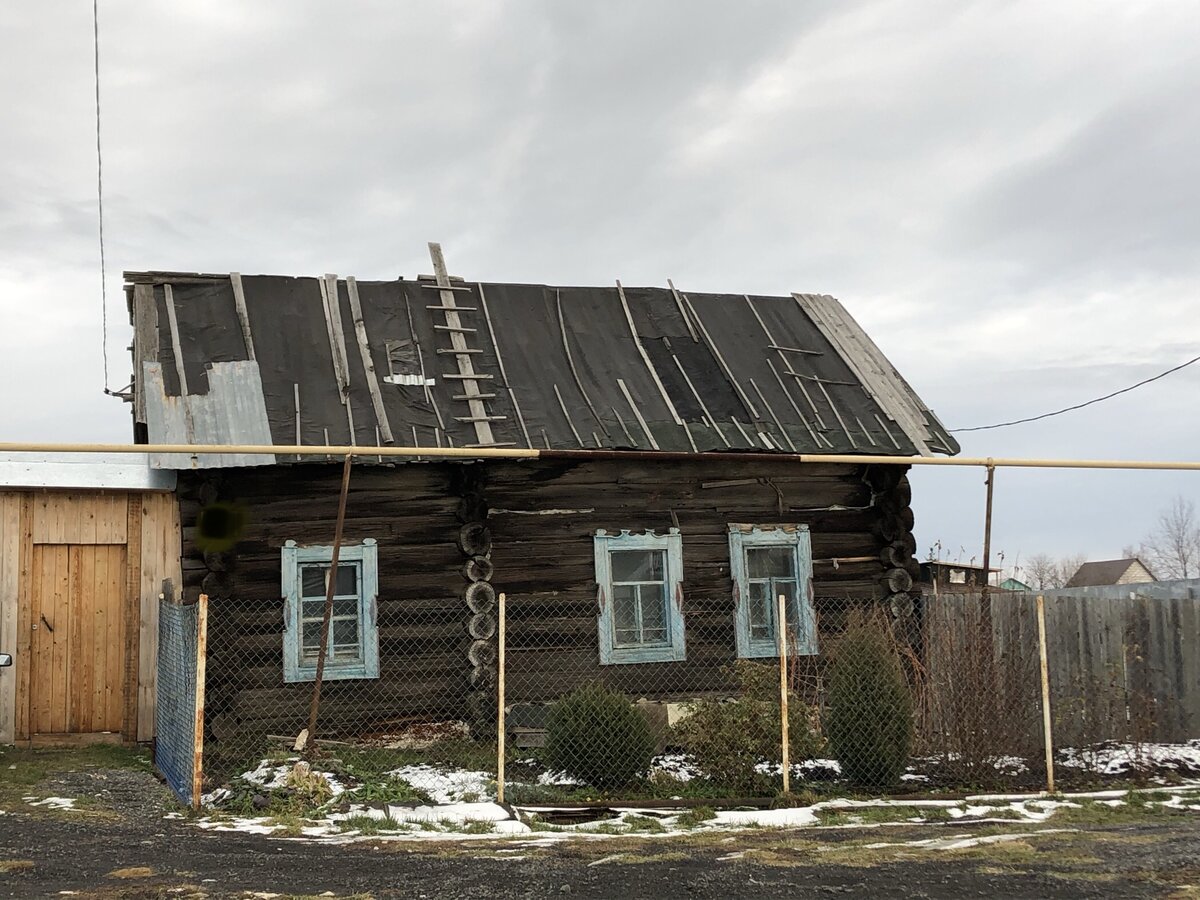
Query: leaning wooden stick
[[330, 590]]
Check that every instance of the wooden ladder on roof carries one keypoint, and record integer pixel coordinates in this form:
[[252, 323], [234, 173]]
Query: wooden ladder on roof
[[475, 398]]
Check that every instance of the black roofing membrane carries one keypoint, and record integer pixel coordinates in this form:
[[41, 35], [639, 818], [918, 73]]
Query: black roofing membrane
[[534, 326]]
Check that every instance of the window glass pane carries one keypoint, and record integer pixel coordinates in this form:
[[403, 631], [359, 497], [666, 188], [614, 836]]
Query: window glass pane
[[312, 579], [654, 614], [771, 562], [311, 638], [347, 582], [345, 606], [637, 565], [313, 609], [625, 614], [762, 622], [345, 637]]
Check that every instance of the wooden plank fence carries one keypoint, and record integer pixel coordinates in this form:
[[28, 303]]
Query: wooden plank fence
[[1124, 665]]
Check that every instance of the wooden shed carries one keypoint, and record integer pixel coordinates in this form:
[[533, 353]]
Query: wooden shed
[[635, 548], [85, 545]]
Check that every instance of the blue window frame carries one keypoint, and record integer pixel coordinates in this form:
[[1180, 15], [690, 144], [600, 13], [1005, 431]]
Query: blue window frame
[[639, 580], [353, 647], [766, 561]]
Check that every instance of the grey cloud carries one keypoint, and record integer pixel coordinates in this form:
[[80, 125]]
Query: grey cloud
[[1003, 193]]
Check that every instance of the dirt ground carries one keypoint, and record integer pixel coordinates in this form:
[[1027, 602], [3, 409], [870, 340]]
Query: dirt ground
[[116, 843]]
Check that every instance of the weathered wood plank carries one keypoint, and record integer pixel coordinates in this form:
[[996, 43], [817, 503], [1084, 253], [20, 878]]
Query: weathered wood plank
[[10, 594], [24, 655]]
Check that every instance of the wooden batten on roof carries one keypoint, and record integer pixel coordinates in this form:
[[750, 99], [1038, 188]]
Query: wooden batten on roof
[[442, 362]]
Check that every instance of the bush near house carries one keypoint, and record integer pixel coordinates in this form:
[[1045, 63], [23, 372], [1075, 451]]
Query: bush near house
[[869, 719], [736, 743], [598, 737]]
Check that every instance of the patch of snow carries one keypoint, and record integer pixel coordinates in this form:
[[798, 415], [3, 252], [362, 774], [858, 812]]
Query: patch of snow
[[245, 826], [846, 803], [551, 779], [52, 802], [680, 766], [454, 813], [965, 843], [767, 818], [214, 797], [1117, 758], [270, 774], [446, 785], [606, 859]]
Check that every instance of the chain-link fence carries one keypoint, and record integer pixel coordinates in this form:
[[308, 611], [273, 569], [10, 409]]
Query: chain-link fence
[[178, 745], [644, 695], [403, 713]]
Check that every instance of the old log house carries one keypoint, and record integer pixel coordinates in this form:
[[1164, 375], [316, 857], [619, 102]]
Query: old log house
[[642, 547]]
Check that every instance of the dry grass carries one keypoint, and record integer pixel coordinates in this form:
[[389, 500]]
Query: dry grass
[[132, 872]]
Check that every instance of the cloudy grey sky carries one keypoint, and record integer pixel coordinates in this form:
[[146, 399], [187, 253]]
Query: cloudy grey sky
[[1005, 194]]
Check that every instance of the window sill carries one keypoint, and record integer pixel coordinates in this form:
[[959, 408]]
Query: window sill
[[633, 656], [332, 673], [764, 650]]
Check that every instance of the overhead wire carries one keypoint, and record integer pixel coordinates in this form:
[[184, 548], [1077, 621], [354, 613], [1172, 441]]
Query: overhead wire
[[1059, 412], [100, 197]]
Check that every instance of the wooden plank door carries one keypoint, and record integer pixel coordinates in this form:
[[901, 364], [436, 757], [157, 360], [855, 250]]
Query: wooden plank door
[[78, 657]]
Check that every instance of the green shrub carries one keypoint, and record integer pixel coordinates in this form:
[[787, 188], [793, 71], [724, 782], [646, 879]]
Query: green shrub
[[731, 739], [869, 717], [598, 737]]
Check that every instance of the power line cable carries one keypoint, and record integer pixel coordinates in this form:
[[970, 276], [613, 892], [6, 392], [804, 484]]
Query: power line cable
[[100, 198], [1068, 409]]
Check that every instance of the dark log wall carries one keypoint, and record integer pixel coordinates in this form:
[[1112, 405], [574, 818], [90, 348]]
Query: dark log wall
[[539, 517]]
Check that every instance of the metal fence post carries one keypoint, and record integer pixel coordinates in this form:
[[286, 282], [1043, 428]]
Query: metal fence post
[[500, 698], [783, 696], [198, 739], [1046, 727]]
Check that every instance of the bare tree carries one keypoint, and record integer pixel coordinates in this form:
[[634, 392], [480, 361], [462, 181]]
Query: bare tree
[[1043, 570], [1048, 573], [1172, 549], [1068, 566]]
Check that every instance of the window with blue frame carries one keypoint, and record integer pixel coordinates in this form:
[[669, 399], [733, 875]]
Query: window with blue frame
[[352, 649], [765, 562], [639, 579]]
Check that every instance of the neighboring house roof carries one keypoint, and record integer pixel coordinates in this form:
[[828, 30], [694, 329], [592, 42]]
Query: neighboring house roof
[[1111, 571], [553, 367], [1012, 584]]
